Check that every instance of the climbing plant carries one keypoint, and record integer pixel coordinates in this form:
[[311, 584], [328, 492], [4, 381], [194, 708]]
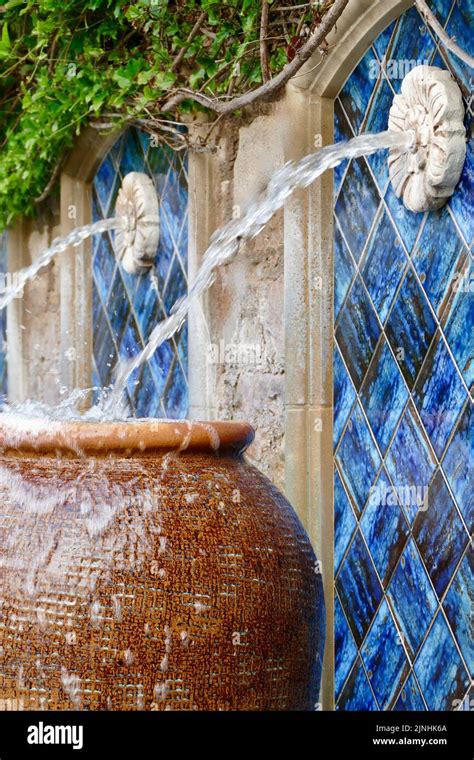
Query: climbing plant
[[65, 64]]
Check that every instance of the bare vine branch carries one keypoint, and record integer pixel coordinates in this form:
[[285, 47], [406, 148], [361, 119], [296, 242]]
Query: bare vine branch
[[273, 85], [444, 38], [190, 38], [52, 181], [264, 62]]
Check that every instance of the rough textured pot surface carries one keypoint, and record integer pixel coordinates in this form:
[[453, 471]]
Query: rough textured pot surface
[[137, 576]]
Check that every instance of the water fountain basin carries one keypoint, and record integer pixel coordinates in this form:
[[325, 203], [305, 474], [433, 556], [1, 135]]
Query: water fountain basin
[[147, 565]]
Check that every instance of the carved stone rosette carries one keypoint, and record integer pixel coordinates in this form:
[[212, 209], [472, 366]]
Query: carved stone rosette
[[431, 105], [137, 238]]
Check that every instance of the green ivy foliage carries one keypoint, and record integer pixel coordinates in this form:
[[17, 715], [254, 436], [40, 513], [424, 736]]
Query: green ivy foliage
[[65, 63]]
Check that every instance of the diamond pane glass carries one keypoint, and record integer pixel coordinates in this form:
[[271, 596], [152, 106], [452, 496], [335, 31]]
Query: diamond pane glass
[[127, 307], [403, 379]]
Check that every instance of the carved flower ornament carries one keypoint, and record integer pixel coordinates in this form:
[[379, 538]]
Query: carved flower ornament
[[431, 105], [137, 238]]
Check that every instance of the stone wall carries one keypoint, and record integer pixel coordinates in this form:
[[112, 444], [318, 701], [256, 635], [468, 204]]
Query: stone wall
[[42, 338], [245, 306], [34, 320]]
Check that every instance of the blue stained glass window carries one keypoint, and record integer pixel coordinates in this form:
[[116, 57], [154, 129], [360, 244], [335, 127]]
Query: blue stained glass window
[[127, 307], [403, 364], [3, 320]]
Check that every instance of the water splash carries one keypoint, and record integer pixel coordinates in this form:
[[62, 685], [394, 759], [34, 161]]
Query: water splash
[[71, 408], [38, 501], [225, 242]]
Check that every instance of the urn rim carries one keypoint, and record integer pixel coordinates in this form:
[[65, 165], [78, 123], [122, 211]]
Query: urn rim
[[140, 436]]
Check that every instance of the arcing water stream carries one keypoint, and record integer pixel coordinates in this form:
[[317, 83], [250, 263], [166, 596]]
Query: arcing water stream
[[75, 238], [224, 246], [225, 243]]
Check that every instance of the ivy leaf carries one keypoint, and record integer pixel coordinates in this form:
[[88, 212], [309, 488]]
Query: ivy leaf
[[145, 76], [196, 77], [5, 43], [248, 22], [13, 4], [125, 76], [6, 36], [164, 80], [247, 5], [122, 80]]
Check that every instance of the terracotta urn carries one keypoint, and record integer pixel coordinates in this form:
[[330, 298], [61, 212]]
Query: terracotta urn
[[148, 566]]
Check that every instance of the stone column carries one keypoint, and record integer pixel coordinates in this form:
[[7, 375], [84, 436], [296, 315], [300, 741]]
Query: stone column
[[309, 343]]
